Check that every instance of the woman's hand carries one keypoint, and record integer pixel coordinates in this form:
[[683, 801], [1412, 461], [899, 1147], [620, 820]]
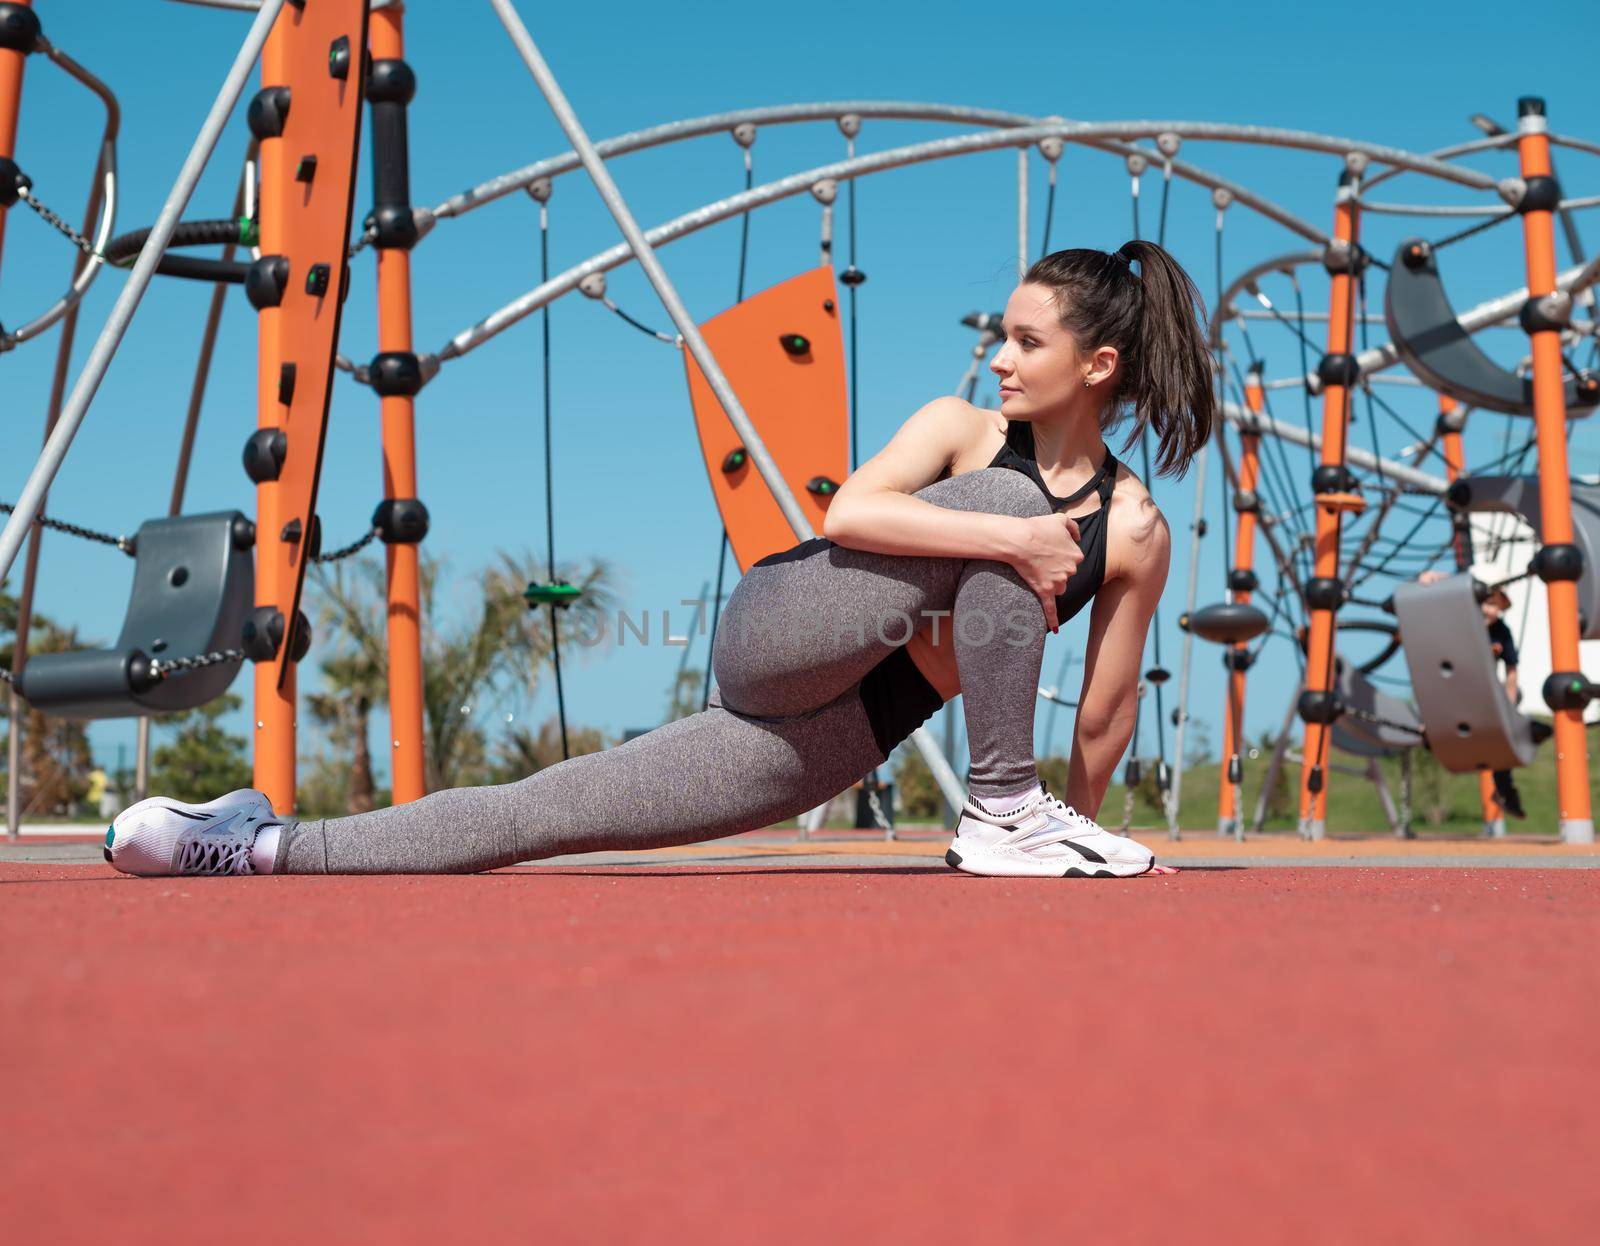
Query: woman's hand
[[1047, 556]]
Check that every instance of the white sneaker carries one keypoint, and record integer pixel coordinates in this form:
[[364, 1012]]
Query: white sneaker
[[1043, 839], [162, 836]]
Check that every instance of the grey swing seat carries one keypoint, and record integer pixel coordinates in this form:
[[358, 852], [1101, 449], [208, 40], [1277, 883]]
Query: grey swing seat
[[1431, 341], [193, 587], [1463, 706], [1385, 725]]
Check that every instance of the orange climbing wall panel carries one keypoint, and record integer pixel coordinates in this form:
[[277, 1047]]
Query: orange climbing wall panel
[[307, 189], [797, 403]]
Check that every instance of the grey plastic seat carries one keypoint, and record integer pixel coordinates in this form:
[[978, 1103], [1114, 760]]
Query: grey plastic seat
[[1362, 737], [1519, 495], [1432, 343], [193, 586], [1471, 723]]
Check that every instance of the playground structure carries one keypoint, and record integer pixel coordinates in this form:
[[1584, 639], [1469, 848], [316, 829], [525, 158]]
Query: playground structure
[[781, 353]]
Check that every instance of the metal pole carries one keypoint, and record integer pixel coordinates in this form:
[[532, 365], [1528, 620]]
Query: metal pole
[[1555, 491], [94, 370], [1022, 213], [30, 573], [1185, 660], [141, 762], [402, 562], [1333, 499]]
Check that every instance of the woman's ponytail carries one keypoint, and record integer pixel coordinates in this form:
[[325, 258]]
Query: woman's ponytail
[[1168, 381], [1152, 317]]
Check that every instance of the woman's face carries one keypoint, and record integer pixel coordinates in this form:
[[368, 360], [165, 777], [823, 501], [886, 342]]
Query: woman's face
[[1040, 368]]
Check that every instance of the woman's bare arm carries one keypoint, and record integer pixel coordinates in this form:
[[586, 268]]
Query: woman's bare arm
[[874, 509], [1118, 624]]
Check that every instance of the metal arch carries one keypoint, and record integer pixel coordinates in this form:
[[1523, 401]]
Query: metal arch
[[892, 110], [746, 201], [717, 123], [1030, 130], [106, 171]]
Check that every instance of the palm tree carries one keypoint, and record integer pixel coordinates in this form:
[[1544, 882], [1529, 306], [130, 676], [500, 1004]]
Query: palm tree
[[498, 652]]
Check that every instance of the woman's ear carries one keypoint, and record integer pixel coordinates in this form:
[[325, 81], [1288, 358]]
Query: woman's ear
[[1102, 363]]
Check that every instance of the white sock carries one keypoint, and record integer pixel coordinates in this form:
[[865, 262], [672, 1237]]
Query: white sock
[[1009, 804], [264, 851]]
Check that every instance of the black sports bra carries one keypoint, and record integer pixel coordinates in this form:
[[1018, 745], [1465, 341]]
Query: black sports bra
[[1091, 573]]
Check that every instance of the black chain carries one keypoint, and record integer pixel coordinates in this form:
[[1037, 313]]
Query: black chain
[[1377, 721], [178, 666], [51, 219], [124, 543], [349, 551]]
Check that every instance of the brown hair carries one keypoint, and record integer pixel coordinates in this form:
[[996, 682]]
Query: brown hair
[[1152, 317]]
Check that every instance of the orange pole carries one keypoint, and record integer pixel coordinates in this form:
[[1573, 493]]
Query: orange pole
[[1332, 488], [274, 754], [1455, 467], [12, 61], [307, 118], [407, 764], [1558, 560], [1241, 582]]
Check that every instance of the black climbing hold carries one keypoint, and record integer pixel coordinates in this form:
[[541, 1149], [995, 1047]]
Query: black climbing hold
[[264, 453], [736, 458], [339, 58], [1557, 562], [265, 281], [268, 112], [1324, 592], [794, 344], [317, 280], [401, 521], [822, 487], [395, 374]]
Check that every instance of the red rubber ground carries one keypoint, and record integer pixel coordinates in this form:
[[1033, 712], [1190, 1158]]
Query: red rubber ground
[[1306, 1055]]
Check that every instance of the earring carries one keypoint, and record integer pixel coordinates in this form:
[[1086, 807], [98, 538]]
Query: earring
[[1087, 383]]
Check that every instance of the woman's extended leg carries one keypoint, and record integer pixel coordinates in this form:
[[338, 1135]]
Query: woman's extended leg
[[712, 774]]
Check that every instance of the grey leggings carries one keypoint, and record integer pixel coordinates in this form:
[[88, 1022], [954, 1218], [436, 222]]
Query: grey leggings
[[787, 726]]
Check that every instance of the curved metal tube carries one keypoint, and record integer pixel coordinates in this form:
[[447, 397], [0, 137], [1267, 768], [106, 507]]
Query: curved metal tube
[[106, 171], [1084, 133], [697, 127], [745, 201]]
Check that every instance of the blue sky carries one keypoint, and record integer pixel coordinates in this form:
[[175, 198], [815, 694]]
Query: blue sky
[[937, 241]]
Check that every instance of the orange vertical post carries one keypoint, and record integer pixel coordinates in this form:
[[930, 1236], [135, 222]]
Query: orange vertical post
[[18, 31], [1450, 423], [397, 377], [1241, 582], [1558, 562], [307, 117], [1334, 491]]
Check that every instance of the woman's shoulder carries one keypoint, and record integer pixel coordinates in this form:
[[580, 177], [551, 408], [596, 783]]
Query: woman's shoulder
[[974, 432], [958, 411], [1138, 539]]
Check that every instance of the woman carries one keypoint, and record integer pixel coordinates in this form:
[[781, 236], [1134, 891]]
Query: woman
[[945, 561]]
